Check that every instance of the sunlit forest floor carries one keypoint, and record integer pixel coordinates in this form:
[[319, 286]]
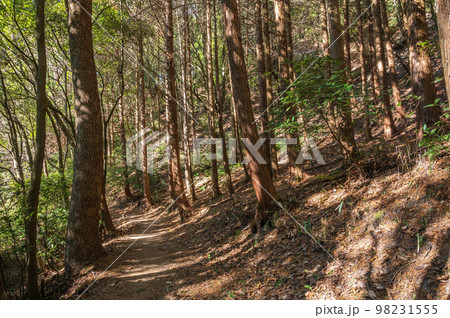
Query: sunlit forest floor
[[385, 237]]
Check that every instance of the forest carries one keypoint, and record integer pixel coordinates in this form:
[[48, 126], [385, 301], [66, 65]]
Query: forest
[[225, 149]]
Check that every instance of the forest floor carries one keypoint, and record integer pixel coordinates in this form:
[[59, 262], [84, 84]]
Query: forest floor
[[338, 237]]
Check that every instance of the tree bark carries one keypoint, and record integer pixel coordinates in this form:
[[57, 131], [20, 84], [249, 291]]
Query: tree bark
[[83, 242], [123, 144], [348, 53], [107, 155], [220, 94], [269, 76], [187, 99], [262, 84], [137, 126], [226, 163], [372, 56], [237, 135], [325, 36], [348, 56], [344, 123], [285, 77], [421, 70], [326, 55], [211, 99], [391, 64], [364, 72], [290, 41], [123, 141], [106, 214], [443, 15], [179, 194], [142, 101], [388, 121], [262, 182], [38, 158], [168, 139]]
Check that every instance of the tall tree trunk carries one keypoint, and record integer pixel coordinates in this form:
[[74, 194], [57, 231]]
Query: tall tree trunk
[[220, 94], [36, 172], [142, 104], [364, 72], [105, 213], [237, 135], [388, 121], [391, 64], [443, 14], [191, 94], [107, 156], [211, 99], [372, 56], [344, 123], [269, 76], [262, 182], [187, 98], [110, 131], [325, 36], [421, 70], [326, 55], [292, 76], [348, 56], [123, 142], [407, 9], [83, 242], [285, 77], [226, 162], [168, 139], [262, 84], [290, 41], [348, 53], [137, 125], [179, 194]]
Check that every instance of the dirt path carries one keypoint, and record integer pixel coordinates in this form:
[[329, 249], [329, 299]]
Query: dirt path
[[148, 268], [212, 256], [170, 260]]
